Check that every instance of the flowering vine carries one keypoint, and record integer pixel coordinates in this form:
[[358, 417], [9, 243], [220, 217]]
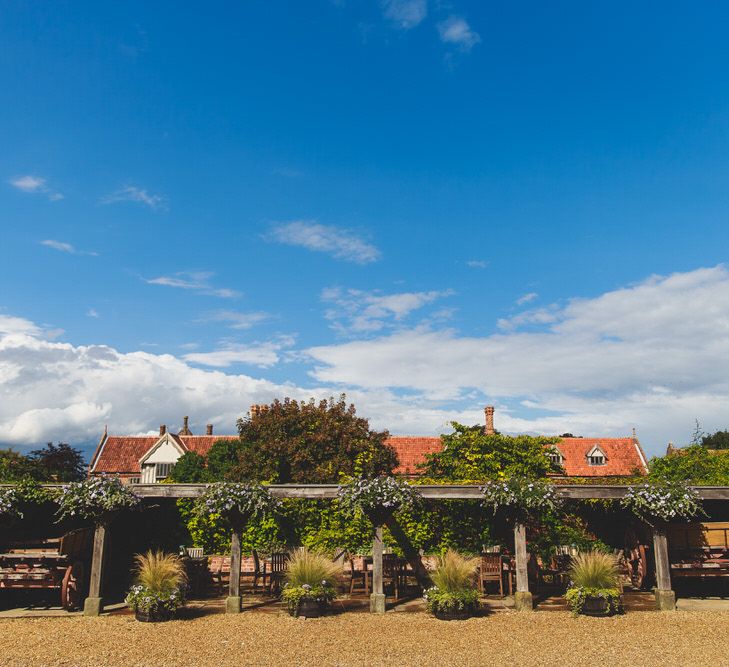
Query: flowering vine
[[95, 498], [520, 498], [235, 501], [664, 501], [376, 497]]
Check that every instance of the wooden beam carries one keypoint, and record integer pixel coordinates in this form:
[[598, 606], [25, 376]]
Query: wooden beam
[[233, 603], [665, 596], [522, 598], [429, 491], [93, 604], [377, 598], [410, 552]]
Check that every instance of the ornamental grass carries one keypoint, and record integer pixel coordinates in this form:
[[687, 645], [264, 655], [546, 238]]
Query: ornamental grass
[[160, 572], [311, 568], [594, 569], [454, 572]]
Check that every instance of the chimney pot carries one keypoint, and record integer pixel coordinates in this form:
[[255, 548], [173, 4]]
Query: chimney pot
[[489, 410], [162, 429], [209, 429]]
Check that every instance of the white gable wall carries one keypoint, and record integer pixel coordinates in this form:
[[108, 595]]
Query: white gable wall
[[167, 452]]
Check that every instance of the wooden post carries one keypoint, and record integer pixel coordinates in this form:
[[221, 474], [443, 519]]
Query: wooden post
[[522, 598], [410, 552], [665, 596], [377, 598], [93, 604], [233, 603]]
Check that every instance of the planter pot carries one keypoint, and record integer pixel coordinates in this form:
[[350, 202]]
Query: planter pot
[[596, 606], [309, 608], [454, 614], [158, 616]]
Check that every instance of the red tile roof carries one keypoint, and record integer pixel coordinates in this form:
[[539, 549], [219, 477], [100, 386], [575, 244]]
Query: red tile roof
[[121, 454], [411, 451]]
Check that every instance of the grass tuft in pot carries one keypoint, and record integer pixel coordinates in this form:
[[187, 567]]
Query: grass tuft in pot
[[594, 588], [454, 593], [159, 589], [311, 578]]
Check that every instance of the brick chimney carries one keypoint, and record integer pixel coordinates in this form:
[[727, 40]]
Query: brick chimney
[[185, 430], [162, 429], [489, 410], [209, 429]]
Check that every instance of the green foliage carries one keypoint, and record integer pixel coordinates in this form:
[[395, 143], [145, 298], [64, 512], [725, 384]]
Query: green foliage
[[594, 569], [94, 498], [378, 497], [309, 443], [693, 465], [468, 453], [160, 583], [663, 501], [237, 502], [717, 440], [222, 458], [58, 463], [306, 566], [520, 498], [576, 598], [191, 468], [14, 467], [454, 572], [447, 602]]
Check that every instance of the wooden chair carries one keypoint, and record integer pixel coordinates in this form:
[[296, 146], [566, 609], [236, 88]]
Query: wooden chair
[[361, 577], [278, 570], [491, 570], [259, 572], [392, 573], [219, 568], [194, 552]]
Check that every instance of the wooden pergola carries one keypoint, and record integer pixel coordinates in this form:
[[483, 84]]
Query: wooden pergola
[[665, 596]]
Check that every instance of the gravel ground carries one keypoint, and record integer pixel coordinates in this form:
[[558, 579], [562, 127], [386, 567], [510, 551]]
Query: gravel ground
[[548, 638]]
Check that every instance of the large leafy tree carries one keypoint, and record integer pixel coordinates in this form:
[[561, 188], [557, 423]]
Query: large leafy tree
[[470, 454], [14, 466], [694, 464], [717, 440], [58, 463], [308, 442]]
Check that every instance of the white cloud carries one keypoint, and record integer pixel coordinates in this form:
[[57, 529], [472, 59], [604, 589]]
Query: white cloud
[[339, 243], [527, 298], [356, 311], [476, 264], [138, 195], [197, 281], [93, 313], [654, 355], [455, 31], [261, 354], [62, 246], [35, 185], [405, 14], [235, 319]]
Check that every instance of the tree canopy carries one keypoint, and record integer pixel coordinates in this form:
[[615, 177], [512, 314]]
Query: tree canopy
[[470, 454], [308, 443], [52, 463], [694, 464], [716, 440]]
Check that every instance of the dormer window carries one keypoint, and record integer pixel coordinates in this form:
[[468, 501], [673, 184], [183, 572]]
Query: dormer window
[[596, 457], [555, 456]]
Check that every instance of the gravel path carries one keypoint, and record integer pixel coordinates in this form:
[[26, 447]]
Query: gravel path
[[636, 639]]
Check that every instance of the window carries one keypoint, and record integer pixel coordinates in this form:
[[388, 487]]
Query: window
[[162, 470], [135, 480], [596, 457], [555, 456]]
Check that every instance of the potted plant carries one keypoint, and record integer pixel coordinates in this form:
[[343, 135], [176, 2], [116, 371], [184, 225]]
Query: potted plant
[[159, 589], [96, 498], [378, 497], [453, 595], [310, 583], [659, 503], [593, 587]]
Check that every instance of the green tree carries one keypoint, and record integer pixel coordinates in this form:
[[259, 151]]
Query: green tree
[[716, 440], [470, 454], [14, 466], [58, 463], [694, 464], [191, 468], [309, 443]]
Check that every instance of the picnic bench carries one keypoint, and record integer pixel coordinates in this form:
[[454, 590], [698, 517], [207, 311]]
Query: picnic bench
[[699, 550], [51, 563]]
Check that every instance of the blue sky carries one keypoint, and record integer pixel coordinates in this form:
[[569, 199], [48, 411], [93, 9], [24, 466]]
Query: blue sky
[[429, 205]]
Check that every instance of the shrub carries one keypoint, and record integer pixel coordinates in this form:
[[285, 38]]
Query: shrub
[[160, 583], [594, 569], [309, 575], [453, 588], [594, 574]]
